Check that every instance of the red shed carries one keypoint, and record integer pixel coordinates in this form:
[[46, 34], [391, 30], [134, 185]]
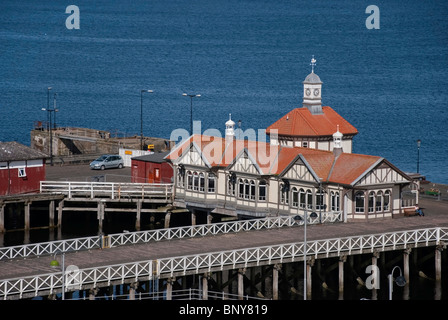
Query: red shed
[[151, 168], [21, 168]]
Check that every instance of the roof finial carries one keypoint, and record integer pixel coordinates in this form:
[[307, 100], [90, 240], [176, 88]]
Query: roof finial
[[313, 63]]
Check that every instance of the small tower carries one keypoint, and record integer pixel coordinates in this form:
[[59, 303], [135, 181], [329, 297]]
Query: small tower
[[337, 142], [312, 91], [230, 129]]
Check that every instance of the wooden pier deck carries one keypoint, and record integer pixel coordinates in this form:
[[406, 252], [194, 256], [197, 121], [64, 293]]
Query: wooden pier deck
[[436, 215]]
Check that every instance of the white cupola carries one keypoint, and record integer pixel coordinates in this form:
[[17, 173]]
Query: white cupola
[[230, 128], [337, 142]]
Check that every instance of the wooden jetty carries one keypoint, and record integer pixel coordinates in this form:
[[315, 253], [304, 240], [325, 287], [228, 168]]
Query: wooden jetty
[[224, 257]]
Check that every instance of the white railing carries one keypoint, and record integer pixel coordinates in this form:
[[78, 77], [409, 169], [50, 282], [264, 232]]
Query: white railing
[[183, 265], [76, 280], [223, 260], [131, 238], [112, 190], [183, 294]]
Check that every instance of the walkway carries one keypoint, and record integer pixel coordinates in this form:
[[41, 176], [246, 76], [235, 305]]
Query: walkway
[[436, 216]]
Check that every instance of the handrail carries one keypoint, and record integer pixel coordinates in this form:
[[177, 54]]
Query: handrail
[[230, 259], [167, 267], [131, 238], [113, 190]]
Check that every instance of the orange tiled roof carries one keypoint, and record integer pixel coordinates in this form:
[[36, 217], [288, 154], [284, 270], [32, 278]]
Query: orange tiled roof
[[270, 159], [300, 122]]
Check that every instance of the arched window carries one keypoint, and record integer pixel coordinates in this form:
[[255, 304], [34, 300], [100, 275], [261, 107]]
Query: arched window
[[302, 199], [262, 191], [386, 203], [359, 201], [189, 180], [295, 197], [252, 189], [334, 201], [246, 189], [211, 183], [379, 201], [240, 188], [195, 181], [309, 199], [201, 182], [371, 205], [319, 199]]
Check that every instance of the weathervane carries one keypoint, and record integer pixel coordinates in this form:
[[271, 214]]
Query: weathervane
[[312, 64]]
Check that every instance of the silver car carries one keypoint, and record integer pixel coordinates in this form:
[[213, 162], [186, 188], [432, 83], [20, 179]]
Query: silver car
[[107, 161]]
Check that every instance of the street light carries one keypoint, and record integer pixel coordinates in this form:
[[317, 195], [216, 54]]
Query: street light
[[305, 222], [191, 108], [141, 116], [55, 264], [418, 154], [400, 281], [50, 125]]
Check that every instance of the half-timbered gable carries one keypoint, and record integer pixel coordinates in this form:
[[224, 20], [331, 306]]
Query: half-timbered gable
[[194, 156], [299, 170], [382, 174], [245, 163]]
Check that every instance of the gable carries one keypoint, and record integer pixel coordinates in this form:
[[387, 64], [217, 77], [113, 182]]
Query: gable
[[384, 173], [299, 171], [192, 156], [245, 163]]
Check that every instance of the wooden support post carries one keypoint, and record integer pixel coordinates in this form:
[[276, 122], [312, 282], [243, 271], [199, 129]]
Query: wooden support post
[[309, 265], [27, 214], [241, 283], [209, 217], [205, 278], [2, 217], [100, 216], [341, 264], [193, 218], [375, 257], [138, 215], [406, 254], [51, 214], [167, 219], [60, 209], [169, 288], [438, 262], [92, 293], [132, 288], [275, 271]]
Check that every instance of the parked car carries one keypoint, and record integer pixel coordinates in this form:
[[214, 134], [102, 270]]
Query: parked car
[[107, 161]]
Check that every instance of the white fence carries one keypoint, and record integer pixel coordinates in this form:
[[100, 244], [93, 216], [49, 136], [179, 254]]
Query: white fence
[[112, 190], [131, 238], [223, 260]]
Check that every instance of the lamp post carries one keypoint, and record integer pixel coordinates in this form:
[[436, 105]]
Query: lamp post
[[141, 116], [418, 155], [191, 108], [400, 281], [50, 127], [55, 264]]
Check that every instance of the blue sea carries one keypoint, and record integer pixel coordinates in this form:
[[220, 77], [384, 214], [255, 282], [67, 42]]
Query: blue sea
[[244, 57]]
